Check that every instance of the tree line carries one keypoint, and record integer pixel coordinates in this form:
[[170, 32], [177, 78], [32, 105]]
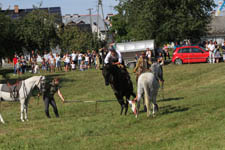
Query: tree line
[[162, 20], [39, 30]]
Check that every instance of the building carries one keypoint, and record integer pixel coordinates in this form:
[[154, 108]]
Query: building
[[216, 30], [97, 24], [17, 13]]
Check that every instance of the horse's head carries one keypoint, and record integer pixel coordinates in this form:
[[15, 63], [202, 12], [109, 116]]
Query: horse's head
[[40, 81], [157, 71], [106, 72]]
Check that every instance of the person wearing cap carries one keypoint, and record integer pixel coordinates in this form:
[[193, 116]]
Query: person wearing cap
[[48, 90], [142, 65]]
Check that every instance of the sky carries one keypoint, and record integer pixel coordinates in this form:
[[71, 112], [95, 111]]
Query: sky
[[67, 6]]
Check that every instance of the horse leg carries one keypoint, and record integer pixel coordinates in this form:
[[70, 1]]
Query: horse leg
[[138, 107], [146, 95], [121, 101], [155, 106], [126, 104], [21, 111], [25, 111], [1, 119]]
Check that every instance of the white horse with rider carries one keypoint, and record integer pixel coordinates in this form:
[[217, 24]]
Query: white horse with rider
[[23, 94], [148, 86]]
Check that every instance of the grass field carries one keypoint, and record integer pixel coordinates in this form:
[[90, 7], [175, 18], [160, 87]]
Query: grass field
[[191, 116]]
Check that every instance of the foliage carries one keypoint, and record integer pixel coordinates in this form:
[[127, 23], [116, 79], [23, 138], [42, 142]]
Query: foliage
[[72, 38], [191, 116], [162, 20], [38, 30], [9, 44]]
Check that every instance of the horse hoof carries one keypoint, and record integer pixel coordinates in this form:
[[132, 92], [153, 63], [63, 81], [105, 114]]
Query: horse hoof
[[27, 120], [22, 120]]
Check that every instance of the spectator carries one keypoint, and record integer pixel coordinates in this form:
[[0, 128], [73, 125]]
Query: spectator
[[58, 62], [166, 52], [211, 48], [67, 62], [73, 66], [223, 48], [52, 62], [15, 61], [43, 65], [46, 57], [80, 55], [149, 54], [82, 65], [74, 57], [23, 65], [97, 61], [86, 61]]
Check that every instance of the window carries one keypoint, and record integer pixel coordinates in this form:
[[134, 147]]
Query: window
[[184, 50], [196, 50]]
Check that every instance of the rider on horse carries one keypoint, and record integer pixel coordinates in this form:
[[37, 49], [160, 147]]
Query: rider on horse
[[114, 57]]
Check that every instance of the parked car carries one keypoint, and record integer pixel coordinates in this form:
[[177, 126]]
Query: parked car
[[190, 54]]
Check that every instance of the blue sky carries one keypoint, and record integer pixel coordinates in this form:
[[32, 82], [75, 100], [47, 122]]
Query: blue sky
[[67, 6]]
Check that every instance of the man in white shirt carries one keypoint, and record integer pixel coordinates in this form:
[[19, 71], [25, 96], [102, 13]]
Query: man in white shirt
[[211, 48], [113, 57], [74, 57]]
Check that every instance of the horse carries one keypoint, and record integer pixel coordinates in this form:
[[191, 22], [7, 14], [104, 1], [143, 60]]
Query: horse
[[24, 93], [120, 82], [148, 84]]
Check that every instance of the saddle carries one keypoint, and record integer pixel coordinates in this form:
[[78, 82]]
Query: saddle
[[13, 89]]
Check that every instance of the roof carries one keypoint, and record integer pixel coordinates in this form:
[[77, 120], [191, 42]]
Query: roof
[[85, 19], [217, 26]]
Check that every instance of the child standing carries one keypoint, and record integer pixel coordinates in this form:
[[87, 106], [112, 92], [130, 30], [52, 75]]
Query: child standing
[[73, 66], [82, 66]]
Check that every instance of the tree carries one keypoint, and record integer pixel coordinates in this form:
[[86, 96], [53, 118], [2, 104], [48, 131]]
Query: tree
[[73, 38], [38, 30], [9, 44], [162, 20]]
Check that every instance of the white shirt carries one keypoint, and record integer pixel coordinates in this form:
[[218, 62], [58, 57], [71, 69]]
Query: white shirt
[[73, 55], [80, 57], [86, 58], [211, 47], [57, 59], [109, 55], [46, 56], [73, 66], [67, 59]]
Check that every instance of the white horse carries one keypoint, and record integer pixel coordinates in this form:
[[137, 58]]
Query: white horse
[[24, 94], [148, 84]]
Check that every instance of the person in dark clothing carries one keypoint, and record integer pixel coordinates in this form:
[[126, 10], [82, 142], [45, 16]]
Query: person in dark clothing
[[48, 90]]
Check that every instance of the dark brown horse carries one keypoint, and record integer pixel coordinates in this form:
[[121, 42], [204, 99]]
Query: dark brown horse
[[120, 82]]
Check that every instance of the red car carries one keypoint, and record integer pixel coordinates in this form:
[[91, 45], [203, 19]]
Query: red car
[[190, 54]]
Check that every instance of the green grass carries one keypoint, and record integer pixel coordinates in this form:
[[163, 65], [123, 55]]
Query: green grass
[[191, 115]]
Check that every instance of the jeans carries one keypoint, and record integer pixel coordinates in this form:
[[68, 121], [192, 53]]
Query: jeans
[[50, 100]]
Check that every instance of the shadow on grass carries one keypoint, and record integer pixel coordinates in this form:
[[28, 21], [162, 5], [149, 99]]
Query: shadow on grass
[[171, 99], [172, 109], [6, 77], [5, 72]]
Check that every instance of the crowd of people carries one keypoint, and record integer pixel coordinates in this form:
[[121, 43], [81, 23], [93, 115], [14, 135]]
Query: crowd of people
[[214, 51], [49, 62]]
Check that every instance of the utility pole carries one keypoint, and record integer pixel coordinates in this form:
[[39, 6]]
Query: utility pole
[[100, 5], [90, 14], [91, 24]]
